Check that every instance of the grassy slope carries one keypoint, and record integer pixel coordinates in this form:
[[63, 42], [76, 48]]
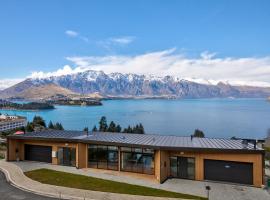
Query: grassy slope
[[89, 183]]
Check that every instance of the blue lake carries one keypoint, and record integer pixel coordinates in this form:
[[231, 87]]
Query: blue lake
[[222, 118]]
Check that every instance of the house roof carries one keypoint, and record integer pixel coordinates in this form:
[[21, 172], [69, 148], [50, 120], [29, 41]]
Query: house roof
[[145, 140]]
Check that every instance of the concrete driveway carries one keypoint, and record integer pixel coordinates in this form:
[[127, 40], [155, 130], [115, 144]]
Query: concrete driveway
[[219, 191], [8, 192]]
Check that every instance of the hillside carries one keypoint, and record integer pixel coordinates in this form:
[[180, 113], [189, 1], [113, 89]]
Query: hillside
[[99, 84], [36, 91]]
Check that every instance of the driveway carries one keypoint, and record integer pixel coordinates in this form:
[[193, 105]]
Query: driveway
[[9, 192], [219, 191]]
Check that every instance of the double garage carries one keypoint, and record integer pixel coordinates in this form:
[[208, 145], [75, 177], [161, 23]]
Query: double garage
[[228, 171]]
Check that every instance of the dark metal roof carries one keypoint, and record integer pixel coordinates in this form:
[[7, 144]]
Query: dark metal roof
[[147, 140]]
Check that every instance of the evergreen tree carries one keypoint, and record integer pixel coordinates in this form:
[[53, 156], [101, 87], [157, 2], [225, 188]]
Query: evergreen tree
[[94, 129], [118, 128], [129, 130], [58, 126], [29, 127], [198, 133], [103, 124], [39, 121], [50, 125], [85, 129], [112, 127], [141, 129]]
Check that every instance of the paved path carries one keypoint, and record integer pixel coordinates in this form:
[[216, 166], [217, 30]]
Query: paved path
[[17, 177], [218, 192], [9, 192]]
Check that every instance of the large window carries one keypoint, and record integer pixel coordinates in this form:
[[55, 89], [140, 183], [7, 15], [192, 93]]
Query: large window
[[182, 167], [137, 160], [103, 157]]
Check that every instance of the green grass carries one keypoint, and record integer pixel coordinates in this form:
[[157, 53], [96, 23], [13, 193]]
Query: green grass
[[58, 178]]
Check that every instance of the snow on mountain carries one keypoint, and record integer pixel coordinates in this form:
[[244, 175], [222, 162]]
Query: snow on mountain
[[133, 85]]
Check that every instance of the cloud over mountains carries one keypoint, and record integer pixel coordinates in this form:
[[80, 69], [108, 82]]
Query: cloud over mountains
[[254, 71], [249, 70]]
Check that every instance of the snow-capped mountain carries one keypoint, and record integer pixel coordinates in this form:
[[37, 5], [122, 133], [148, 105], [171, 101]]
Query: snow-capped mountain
[[134, 85]]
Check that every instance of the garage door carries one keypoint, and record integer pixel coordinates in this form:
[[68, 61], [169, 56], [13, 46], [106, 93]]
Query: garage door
[[38, 153], [235, 172]]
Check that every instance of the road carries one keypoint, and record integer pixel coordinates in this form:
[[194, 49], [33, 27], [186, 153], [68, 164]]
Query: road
[[8, 192]]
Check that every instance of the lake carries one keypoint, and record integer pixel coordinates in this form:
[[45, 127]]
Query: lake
[[221, 118]]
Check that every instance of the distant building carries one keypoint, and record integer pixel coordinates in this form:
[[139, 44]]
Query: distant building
[[8, 122]]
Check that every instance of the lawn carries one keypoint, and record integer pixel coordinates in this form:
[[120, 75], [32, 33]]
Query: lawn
[[58, 178]]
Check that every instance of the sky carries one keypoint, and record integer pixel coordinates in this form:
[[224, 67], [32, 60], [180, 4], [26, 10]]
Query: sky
[[217, 40]]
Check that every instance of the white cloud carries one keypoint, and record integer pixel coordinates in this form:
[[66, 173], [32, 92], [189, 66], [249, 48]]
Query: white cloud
[[122, 40], [74, 34], [60, 72], [247, 70], [207, 68], [71, 33], [5, 83]]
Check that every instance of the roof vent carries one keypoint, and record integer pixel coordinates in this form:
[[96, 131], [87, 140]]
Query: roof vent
[[154, 139], [191, 137]]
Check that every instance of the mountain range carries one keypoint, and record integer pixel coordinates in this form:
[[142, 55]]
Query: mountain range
[[98, 84]]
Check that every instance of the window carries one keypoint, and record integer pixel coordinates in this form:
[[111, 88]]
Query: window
[[173, 167], [182, 167], [134, 160], [103, 157]]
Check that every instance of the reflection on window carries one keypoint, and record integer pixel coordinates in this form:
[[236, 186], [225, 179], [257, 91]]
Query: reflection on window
[[182, 167], [103, 157], [135, 161]]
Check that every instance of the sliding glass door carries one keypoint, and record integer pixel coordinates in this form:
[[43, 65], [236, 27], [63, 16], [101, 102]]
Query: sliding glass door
[[67, 156], [182, 167], [103, 157], [137, 160]]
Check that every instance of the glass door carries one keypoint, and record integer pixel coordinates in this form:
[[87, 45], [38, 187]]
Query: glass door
[[67, 156], [186, 167], [182, 167]]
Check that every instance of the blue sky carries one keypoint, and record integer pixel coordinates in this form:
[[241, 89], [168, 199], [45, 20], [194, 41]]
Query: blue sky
[[40, 35]]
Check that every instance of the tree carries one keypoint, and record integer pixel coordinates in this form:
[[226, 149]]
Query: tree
[[141, 129], [29, 127], [85, 129], [103, 124], [118, 129], [39, 121], [50, 125], [112, 127], [94, 129], [198, 133], [58, 126]]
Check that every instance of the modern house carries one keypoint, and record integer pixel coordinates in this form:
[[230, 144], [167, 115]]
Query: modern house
[[158, 156], [9, 122]]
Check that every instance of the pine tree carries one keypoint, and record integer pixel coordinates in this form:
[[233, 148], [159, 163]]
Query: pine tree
[[85, 129], [58, 126], [29, 127], [118, 129], [50, 125], [103, 124], [37, 120], [141, 129], [94, 129], [112, 127]]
